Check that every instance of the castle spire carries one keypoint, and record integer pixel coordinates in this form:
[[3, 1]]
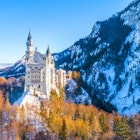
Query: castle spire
[[29, 36], [29, 44], [48, 50]]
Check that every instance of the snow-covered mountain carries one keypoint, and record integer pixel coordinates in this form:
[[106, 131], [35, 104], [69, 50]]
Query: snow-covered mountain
[[75, 94], [109, 61], [4, 65], [15, 70]]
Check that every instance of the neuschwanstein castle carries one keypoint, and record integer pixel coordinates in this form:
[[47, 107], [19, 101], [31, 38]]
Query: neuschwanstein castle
[[40, 72]]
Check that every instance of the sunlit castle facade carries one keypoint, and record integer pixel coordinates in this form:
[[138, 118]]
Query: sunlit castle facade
[[40, 70], [61, 78]]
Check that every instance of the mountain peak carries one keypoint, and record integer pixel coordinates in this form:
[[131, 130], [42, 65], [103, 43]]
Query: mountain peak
[[108, 60]]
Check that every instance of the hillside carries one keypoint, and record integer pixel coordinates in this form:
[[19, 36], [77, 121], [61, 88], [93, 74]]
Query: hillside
[[108, 59]]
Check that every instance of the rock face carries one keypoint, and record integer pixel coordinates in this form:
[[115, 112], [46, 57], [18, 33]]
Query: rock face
[[76, 94], [109, 61]]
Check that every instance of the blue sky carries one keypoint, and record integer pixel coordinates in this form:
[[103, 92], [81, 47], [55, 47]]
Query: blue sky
[[58, 23]]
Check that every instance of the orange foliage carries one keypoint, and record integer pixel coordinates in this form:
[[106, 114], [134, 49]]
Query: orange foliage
[[2, 80]]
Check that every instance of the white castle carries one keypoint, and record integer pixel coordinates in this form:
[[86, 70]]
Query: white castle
[[40, 72]]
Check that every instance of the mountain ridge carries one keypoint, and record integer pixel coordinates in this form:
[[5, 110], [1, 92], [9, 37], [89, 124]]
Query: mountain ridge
[[108, 59]]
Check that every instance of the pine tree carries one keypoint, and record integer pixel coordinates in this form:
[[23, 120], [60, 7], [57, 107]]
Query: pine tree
[[84, 117], [23, 137], [131, 122], [122, 129], [76, 114], [103, 124], [125, 131], [91, 117], [132, 125], [63, 131], [117, 125], [50, 118]]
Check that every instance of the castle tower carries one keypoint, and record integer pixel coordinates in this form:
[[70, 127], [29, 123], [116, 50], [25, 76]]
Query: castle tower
[[49, 72], [29, 45]]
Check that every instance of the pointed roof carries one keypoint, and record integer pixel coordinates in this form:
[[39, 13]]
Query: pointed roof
[[29, 36], [48, 50], [35, 48]]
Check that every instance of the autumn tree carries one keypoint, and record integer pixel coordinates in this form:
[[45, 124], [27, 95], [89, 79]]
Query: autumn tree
[[7, 109], [17, 137], [63, 131], [1, 101], [22, 117], [4, 86], [2, 80], [22, 122], [76, 76]]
